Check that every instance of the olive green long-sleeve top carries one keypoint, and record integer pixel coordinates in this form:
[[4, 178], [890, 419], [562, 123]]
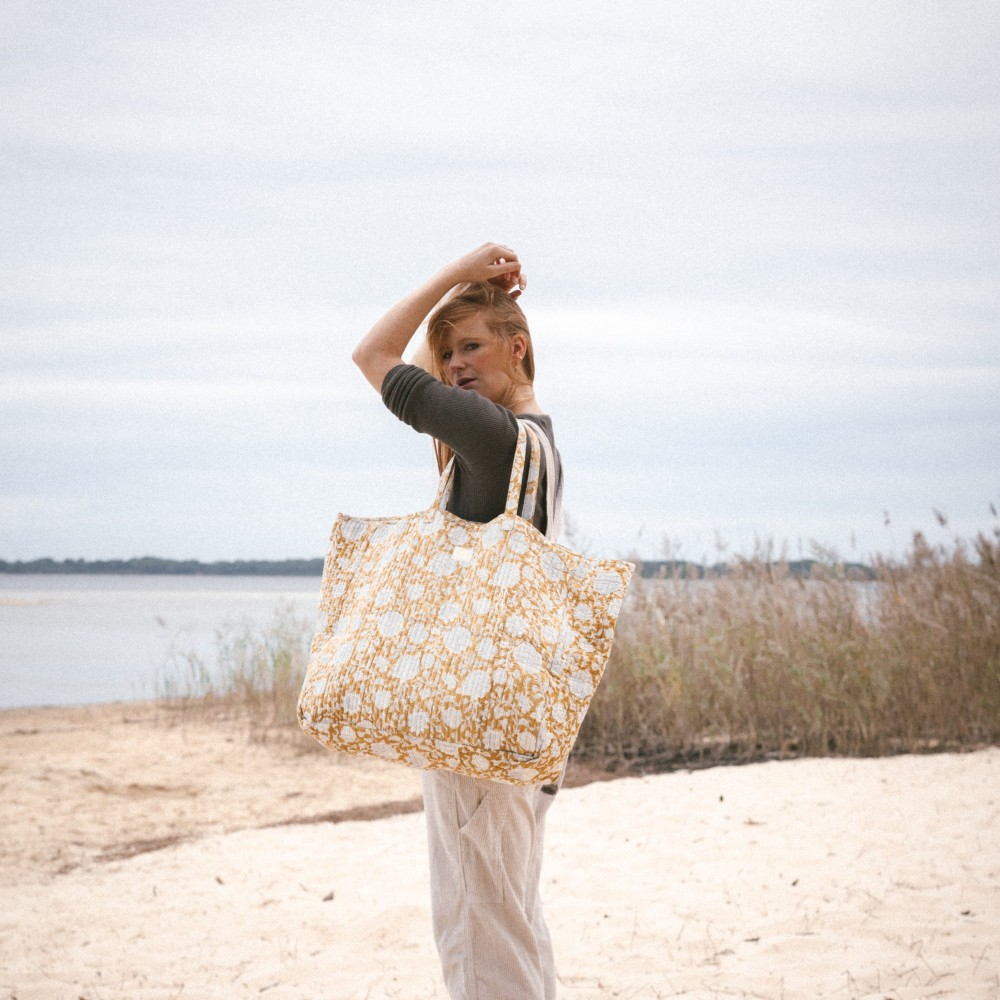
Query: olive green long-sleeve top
[[482, 434]]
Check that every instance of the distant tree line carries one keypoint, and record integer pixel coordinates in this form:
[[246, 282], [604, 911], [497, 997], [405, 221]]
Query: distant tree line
[[150, 565], [805, 568]]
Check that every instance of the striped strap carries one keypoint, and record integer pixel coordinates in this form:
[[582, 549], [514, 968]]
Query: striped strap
[[516, 474], [553, 504]]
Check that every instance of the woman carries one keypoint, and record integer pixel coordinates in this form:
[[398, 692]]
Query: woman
[[485, 837]]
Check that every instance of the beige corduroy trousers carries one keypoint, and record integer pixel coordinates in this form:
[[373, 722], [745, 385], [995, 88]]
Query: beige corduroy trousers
[[485, 844]]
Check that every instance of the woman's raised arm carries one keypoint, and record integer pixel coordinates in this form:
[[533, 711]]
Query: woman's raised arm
[[381, 349]]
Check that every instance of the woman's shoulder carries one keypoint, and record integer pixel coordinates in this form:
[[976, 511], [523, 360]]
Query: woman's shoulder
[[543, 420], [544, 423]]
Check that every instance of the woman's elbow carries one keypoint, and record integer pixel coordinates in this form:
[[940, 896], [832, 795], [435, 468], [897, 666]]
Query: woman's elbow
[[374, 365], [359, 356], [367, 359]]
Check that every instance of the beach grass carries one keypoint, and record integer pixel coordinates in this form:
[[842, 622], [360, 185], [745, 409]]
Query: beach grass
[[760, 663], [746, 664], [255, 674]]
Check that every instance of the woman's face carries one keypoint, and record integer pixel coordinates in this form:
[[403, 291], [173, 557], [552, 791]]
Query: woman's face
[[473, 357]]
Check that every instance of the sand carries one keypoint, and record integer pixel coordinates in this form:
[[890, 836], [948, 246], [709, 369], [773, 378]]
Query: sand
[[146, 855]]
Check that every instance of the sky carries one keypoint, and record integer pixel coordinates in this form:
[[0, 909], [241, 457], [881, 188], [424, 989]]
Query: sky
[[762, 241]]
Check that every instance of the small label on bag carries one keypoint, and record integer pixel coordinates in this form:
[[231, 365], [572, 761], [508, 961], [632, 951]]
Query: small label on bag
[[462, 554]]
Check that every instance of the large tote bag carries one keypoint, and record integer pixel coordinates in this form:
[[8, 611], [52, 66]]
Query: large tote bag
[[446, 643]]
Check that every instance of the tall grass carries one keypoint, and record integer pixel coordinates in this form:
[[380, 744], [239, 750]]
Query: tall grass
[[255, 674], [759, 662], [752, 663]]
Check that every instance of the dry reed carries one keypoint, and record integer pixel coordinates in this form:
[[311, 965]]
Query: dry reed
[[255, 675], [752, 663], [759, 662]]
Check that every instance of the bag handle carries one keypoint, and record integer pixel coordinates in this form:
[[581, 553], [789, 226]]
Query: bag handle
[[553, 504], [516, 475], [527, 506]]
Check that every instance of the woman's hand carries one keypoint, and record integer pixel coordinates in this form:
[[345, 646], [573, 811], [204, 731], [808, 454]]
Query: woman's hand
[[491, 262]]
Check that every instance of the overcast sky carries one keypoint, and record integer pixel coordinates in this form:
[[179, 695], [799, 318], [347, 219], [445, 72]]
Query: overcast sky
[[762, 241]]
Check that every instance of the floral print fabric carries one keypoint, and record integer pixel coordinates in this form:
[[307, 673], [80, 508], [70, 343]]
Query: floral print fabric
[[446, 643]]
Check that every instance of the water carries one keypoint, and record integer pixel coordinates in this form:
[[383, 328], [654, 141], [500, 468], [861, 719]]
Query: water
[[79, 639]]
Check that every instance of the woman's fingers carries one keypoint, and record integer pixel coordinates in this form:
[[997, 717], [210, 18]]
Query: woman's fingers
[[508, 267], [506, 258], [492, 262], [509, 275]]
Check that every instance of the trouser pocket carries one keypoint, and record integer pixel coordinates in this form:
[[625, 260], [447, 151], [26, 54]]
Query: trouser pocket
[[480, 844]]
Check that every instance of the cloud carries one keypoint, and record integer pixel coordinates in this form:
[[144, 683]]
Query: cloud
[[761, 242], [688, 419]]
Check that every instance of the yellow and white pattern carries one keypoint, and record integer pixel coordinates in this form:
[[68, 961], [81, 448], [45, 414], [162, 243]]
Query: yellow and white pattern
[[446, 643]]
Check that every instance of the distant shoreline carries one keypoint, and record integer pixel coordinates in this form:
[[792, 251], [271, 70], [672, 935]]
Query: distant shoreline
[[156, 566]]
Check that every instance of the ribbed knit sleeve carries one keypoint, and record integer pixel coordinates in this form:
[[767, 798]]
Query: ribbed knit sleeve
[[483, 435]]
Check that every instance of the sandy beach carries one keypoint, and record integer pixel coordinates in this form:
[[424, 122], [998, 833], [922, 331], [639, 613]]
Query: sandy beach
[[146, 855]]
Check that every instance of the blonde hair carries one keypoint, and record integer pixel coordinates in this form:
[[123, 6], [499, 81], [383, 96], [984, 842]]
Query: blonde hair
[[504, 318]]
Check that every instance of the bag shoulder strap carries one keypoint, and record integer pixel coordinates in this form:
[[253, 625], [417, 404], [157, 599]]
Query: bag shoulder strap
[[516, 475], [553, 502]]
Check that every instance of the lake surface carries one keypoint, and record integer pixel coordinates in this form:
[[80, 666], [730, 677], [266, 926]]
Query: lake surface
[[81, 639]]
